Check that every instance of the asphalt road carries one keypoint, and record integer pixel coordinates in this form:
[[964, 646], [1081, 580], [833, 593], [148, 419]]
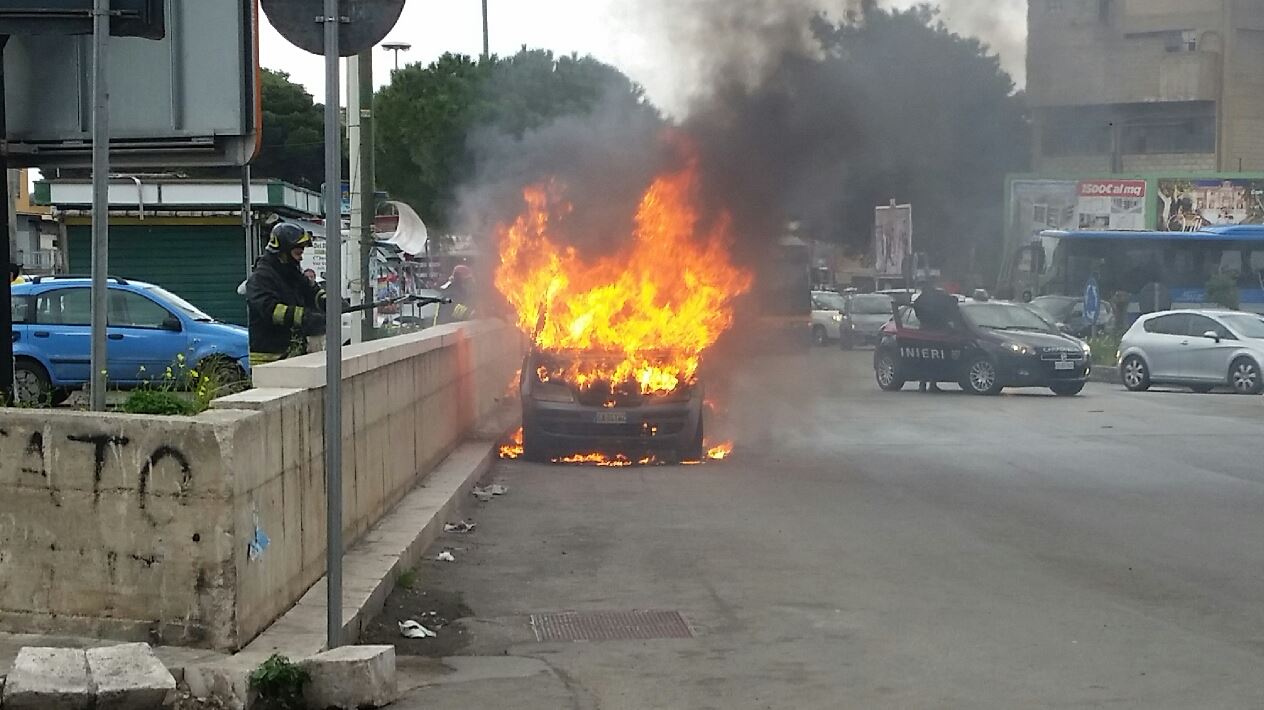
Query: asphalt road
[[873, 550]]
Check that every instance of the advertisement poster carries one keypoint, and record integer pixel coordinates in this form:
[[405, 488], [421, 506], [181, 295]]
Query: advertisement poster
[[1111, 204], [1186, 205], [893, 238]]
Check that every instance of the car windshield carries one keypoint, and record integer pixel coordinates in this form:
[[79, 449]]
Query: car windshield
[[1249, 326], [171, 299], [829, 301], [871, 305], [1003, 316], [1057, 308]]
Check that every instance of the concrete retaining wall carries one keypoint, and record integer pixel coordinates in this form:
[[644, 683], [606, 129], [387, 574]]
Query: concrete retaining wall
[[203, 530]]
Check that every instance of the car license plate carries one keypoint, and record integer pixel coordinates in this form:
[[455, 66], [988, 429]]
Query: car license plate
[[611, 418], [1064, 365]]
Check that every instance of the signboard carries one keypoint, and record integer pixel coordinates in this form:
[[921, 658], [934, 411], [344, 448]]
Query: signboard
[[1092, 301], [1186, 205], [893, 239], [188, 99], [1111, 204], [131, 18]]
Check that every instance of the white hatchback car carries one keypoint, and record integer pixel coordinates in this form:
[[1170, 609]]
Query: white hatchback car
[[1199, 349]]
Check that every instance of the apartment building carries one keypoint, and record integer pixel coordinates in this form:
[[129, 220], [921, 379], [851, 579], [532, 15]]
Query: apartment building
[[1132, 86]]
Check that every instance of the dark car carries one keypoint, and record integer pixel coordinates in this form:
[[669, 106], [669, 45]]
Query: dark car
[[560, 418], [864, 314], [993, 345], [1069, 312]]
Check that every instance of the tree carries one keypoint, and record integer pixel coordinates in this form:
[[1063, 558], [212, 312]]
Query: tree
[[423, 118], [938, 124], [293, 140], [427, 116]]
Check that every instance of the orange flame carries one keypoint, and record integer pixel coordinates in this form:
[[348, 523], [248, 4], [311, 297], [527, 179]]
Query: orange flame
[[652, 308], [512, 449], [720, 452]]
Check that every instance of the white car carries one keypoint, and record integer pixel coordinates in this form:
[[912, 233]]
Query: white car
[[827, 316], [1199, 349]]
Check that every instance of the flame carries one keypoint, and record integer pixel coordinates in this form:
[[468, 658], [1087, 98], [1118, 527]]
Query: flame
[[652, 308], [719, 452], [512, 449]]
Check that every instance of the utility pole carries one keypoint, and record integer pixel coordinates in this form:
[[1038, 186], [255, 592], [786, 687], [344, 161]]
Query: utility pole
[[363, 187], [395, 48], [100, 198], [333, 332], [486, 44], [6, 298]]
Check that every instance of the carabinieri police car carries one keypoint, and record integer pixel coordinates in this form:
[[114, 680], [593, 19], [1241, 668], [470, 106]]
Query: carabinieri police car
[[990, 346]]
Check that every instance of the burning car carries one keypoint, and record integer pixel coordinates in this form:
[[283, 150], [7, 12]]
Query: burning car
[[617, 339], [561, 418]]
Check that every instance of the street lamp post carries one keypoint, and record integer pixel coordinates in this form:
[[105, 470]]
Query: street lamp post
[[396, 48]]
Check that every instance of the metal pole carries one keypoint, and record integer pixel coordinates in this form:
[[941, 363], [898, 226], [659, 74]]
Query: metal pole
[[247, 228], [368, 186], [6, 297], [486, 37], [333, 333], [100, 197]]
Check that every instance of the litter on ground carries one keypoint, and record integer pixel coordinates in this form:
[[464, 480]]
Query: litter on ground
[[414, 630], [459, 526], [446, 556]]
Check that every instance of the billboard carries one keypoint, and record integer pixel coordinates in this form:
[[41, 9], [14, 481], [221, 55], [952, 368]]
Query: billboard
[[1187, 205], [1111, 204], [190, 98], [892, 238]]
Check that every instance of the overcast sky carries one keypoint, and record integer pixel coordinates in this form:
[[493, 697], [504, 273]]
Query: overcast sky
[[606, 29]]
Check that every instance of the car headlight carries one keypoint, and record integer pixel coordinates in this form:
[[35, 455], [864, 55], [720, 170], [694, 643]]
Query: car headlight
[[838, 317], [1088, 349], [548, 392], [1019, 349]]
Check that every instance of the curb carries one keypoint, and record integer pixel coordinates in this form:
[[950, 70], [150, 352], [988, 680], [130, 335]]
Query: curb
[[372, 565], [1104, 374]]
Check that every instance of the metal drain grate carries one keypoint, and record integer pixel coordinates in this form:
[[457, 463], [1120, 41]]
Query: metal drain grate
[[610, 626]]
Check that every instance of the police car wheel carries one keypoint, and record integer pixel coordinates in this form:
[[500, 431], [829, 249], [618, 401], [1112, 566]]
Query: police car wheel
[[1135, 374], [887, 372], [982, 377], [818, 335]]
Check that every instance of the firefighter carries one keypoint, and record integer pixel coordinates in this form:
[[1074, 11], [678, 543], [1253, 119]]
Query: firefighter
[[285, 307], [460, 290]]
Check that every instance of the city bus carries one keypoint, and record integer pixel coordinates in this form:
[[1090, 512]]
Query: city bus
[[1158, 270]]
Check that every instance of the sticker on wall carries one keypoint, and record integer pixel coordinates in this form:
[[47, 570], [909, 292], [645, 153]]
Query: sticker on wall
[[258, 543]]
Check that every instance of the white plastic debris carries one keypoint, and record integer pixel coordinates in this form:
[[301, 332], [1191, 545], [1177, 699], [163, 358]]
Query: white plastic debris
[[459, 526], [485, 493], [446, 556], [414, 630]]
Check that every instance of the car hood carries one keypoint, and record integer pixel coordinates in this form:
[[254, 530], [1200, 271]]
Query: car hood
[[226, 332], [874, 319], [1043, 341]]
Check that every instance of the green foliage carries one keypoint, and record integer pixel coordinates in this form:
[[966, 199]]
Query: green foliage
[[948, 156], [293, 133], [1105, 348], [1222, 289], [279, 684], [427, 114], [144, 400], [183, 390], [407, 579]]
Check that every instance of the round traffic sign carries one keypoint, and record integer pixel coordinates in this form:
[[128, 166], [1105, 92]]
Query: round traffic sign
[[364, 23]]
